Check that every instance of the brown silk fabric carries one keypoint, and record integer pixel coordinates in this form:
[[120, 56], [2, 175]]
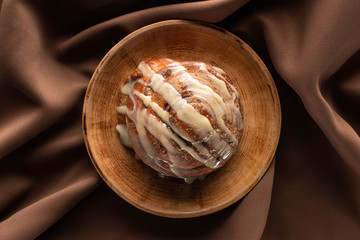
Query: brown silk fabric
[[48, 186]]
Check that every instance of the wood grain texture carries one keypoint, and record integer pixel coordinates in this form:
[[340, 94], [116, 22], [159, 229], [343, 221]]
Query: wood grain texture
[[137, 183]]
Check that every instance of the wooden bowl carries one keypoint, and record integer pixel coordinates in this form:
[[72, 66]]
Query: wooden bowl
[[137, 183]]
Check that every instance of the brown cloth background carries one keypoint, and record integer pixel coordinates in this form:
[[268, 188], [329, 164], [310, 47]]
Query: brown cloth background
[[48, 186]]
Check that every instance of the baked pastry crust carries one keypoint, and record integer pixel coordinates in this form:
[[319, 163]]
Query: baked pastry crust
[[182, 118]]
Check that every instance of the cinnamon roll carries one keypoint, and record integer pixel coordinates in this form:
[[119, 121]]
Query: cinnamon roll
[[182, 118]]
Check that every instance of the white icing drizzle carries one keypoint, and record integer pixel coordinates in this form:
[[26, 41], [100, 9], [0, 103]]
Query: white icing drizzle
[[122, 130], [209, 95], [126, 89], [121, 110], [184, 111], [219, 107]]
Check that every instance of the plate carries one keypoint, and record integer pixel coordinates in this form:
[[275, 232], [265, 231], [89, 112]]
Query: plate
[[137, 183]]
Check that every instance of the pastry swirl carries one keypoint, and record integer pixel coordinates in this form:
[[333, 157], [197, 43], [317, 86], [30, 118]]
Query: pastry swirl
[[182, 118]]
